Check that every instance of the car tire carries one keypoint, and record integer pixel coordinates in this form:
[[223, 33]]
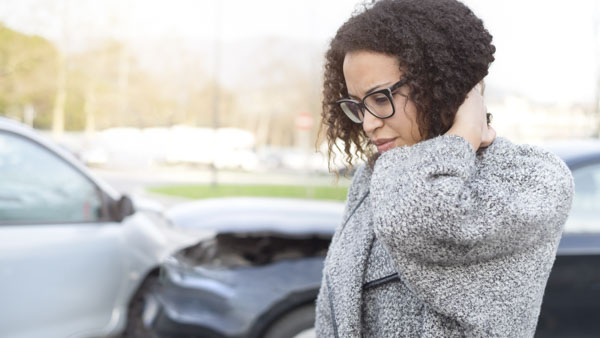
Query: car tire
[[296, 323], [135, 327]]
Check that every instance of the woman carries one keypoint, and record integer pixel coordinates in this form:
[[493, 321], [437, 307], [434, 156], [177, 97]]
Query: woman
[[449, 231]]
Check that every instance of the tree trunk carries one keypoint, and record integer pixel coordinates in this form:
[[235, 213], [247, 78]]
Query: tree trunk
[[58, 116]]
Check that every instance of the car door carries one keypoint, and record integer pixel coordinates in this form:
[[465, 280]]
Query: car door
[[571, 305], [60, 259]]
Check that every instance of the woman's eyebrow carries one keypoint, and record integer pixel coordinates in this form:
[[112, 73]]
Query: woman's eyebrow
[[376, 87], [370, 90]]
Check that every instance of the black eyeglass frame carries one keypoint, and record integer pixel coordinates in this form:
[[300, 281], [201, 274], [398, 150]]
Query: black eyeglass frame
[[361, 104]]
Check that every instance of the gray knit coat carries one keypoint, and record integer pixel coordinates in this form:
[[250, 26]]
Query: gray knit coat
[[440, 241]]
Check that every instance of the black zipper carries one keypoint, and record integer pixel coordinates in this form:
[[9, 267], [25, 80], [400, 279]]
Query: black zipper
[[381, 281]]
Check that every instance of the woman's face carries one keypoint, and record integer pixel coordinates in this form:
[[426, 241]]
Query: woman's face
[[365, 72]]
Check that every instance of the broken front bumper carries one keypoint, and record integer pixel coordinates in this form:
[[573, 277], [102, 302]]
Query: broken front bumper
[[229, 302]]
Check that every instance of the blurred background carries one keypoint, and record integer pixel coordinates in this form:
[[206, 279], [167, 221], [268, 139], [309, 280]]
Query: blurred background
[[156, 86], [189, 99]]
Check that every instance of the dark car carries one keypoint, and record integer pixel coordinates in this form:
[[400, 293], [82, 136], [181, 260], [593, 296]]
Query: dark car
[[260, 273], [571, 305]]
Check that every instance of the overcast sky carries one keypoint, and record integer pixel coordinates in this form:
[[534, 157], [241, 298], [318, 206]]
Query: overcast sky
[[546, 49]]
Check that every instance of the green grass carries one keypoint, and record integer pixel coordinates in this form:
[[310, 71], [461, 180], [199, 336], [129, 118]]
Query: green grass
[[228, 190]]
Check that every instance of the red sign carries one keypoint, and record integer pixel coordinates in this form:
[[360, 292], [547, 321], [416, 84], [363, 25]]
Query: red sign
[[304, 121]]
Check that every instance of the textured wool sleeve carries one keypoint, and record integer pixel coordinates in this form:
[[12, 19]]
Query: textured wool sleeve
[[473, 236], [440, 202]]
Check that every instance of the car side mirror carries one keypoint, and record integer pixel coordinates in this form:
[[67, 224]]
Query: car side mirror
[[122, 208]]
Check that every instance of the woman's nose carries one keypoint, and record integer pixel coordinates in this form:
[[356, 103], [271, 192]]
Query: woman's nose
[[371, 123]]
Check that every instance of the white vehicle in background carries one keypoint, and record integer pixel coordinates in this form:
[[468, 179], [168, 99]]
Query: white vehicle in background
[[76, 257]]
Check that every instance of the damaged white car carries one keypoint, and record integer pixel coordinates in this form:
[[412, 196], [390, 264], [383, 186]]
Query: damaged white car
[[75, 256]]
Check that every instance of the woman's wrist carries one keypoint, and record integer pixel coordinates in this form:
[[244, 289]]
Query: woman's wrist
[[472, 135]]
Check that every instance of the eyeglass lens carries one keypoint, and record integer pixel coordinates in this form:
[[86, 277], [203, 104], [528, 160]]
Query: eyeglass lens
[[353, 111], [379, 104]]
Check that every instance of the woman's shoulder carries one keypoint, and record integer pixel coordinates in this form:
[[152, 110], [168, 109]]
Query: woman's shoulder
[[505, 150], [505, 157]]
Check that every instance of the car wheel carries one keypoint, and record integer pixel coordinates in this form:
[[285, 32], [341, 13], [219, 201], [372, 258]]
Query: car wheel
[[298, 323], [135, 327]]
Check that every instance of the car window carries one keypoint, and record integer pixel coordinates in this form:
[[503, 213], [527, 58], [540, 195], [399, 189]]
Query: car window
[[37, 186], [585, 213]]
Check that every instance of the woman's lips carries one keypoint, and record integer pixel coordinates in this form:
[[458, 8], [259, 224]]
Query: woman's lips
[[384, 145]]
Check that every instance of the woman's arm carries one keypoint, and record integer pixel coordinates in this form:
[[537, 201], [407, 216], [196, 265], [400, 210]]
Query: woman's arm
[[473, 237], [434, 200]]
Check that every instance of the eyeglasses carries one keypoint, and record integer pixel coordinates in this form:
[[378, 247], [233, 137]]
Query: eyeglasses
[[379, 103]]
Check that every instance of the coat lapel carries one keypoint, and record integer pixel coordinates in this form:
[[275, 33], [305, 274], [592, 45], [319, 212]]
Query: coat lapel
[[345, 268]]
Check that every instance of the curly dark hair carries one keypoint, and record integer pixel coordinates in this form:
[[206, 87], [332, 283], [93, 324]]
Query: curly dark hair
[[442, 48]]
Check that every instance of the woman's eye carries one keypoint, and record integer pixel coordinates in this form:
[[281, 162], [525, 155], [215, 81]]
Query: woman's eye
[[380, 99]]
